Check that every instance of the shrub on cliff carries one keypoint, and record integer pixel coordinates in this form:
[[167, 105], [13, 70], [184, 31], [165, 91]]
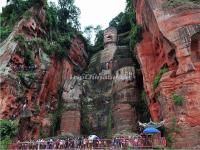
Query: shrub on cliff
[[20, 38], [4, 32], [142, 108], [177, 99], [4, 143], [8, 130], [158, 77], [135, 35], [43, 134], [168, 132], [27, 15]]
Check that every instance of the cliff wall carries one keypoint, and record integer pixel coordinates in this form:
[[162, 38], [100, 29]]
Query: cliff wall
[[31, 80], [169, 55]]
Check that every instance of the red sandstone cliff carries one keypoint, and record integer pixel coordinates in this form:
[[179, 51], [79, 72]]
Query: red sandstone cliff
[[41, 81], [171, 38]]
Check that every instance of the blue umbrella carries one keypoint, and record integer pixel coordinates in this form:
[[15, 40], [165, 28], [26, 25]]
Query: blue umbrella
[[151, 130]]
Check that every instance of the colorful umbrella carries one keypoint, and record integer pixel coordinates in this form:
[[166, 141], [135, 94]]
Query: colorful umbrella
[[151, 130]]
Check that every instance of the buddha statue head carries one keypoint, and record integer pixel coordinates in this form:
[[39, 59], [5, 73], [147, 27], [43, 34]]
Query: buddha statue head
[[110, 36]]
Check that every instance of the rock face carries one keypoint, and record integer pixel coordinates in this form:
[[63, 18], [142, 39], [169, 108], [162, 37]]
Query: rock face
[[71, 118], [111, 102], [78, 58], [125, 97], [34, 85], [171, 40], [71, 122]]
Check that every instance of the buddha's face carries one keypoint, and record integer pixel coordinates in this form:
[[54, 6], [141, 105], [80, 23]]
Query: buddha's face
[[110, 36]]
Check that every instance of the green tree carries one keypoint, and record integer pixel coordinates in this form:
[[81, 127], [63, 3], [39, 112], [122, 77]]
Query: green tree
[[68, 14], [99, 43], [8, 129], [88, 31], [121, 22]]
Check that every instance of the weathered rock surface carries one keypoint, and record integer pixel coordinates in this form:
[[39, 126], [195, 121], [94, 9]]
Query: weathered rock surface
[[171, 39], [34, 87], [71, 117], [71, 122], [125, 98], [111, 103]]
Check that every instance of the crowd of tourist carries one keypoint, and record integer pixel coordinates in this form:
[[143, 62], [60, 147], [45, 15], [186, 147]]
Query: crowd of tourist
[[85, 143]]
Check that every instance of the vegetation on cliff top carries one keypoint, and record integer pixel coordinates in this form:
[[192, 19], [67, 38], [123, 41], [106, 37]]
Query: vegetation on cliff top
[[61, 24], [12, 13]]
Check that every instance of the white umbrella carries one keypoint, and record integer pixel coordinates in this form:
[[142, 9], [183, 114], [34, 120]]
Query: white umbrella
[[93, 137]]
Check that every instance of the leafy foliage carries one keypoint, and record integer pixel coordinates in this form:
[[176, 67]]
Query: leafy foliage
[[142, 108], [5, 142], [169, 132], [61, 25], [98, 42], [14, 11], [88, 32], [158, 77], [121, 22], [42, 133], [135, 35], [19, 38], [68, 14], [36, 108], [177, 99], [8, 129], [4, 32], [27, 15], [27, 79], [124, 21]]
